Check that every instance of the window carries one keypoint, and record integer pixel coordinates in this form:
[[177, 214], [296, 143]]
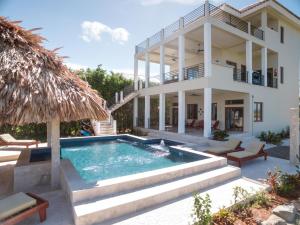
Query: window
[[258, 111], [281, 74], [192, 111], [234, 102], [282, 34], [214, 111]]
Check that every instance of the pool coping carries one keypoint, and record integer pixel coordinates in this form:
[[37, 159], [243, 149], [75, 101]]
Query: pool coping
[[76, 187]]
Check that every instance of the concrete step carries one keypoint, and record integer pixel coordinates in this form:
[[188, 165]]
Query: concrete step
[[138, 181], [97, 211]]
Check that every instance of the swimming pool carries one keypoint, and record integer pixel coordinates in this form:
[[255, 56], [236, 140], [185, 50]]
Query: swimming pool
[[100, 160]]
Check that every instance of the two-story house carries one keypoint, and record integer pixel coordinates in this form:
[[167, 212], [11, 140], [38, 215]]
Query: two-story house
[[220, 67]]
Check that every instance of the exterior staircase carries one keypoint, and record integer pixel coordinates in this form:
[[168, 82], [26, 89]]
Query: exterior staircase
[[123, 97], [107, 127]]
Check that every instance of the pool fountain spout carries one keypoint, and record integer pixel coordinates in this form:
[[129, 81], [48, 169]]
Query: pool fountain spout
[[162, 143]]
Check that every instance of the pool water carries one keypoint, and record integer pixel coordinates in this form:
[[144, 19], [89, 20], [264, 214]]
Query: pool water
[[103, 160]]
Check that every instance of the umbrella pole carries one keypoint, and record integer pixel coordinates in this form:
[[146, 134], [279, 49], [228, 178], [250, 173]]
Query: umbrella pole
[[55, 153]]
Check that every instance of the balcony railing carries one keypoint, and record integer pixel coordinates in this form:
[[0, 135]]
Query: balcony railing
[[257, 32], [240, 75], [196, 14], [154, 81], [273, 83], [171, 77], [258, 78], [227, 18], [194, 72]]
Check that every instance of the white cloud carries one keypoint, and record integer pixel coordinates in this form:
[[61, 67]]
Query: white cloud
[[75, 66], [93, 31], [186, 2]]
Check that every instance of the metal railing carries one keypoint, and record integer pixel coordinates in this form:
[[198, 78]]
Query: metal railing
[[140, 122], [194, 15], [257, 32], [227, 18], [154, 39], [141, 47], [171, 77], [172, 28], [273, 83], [154, 81], [258, 78], [240, 75], [194, 72]]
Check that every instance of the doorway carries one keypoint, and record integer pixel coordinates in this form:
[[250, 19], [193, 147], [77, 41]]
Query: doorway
[[234, 118], [175, 116]]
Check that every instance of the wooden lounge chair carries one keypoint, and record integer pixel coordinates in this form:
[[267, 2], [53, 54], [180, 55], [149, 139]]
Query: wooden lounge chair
[[232, 145], [6, 156], [253, 151], [20, 206], [7, 139]]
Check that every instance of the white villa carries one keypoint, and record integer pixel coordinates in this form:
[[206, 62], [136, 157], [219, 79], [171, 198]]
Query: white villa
[[237, 67]]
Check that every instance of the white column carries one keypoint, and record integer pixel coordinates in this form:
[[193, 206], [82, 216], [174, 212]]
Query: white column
[[116, 97], [162, 111], [264, 64], [207, 50], [264, 20], [147, 66], [55, 153], [147, 111], [249, 28], [294, 135], [48, 134], [136, 69], [181, 112], [135, 111], [140, 84], [181, 57], [162, 64], [249, 60], [207, 112]]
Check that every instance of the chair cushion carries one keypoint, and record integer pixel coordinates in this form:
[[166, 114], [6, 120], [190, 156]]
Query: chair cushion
[[15, 204], [7, 138], [254, 147], [219, 149], [9, 155], [241, 154], [232, 143]]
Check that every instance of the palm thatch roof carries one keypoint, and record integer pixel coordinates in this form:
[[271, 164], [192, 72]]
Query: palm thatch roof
[[35, 85]]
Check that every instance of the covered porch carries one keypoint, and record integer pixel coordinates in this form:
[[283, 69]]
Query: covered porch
[[196, 112]]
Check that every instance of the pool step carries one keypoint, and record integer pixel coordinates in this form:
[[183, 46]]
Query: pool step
[[142, 180], [99, 210]]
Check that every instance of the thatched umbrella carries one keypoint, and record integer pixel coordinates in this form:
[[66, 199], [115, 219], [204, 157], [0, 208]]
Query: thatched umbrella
[[35, 87]]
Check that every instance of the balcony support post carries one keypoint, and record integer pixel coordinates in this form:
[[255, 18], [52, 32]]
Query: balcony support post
[[162, 58], [135, 111], [181, 57], [264, 20], [206, 8], [147, 111], [136, 69], [147, 66], [207, 112], [207, 50], [249, 60], [162, 111], [264, 64], [181, 112]]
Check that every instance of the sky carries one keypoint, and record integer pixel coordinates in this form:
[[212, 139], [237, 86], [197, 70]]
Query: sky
[[94, 32]]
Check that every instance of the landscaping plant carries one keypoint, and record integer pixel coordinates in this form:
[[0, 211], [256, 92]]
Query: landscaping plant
[[202, 210], [224, 217], [220, 135], [270, 137]]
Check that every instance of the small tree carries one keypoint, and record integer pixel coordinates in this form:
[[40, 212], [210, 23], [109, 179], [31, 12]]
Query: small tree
[[202, 210]]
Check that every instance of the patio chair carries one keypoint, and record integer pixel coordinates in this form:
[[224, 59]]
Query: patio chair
[[18, 207], [190, 122], [7, 139], [232, 145], [199, 124], [253, 151]]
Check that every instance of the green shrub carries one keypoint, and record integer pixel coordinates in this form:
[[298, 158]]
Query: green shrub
[[220, 135], [285, 133], [202, 210], [224, 216], [270, 137]]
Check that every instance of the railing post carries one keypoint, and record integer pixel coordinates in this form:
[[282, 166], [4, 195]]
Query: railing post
[[249, 60], [121, 97], [206, 8], [116, 97], [136, 69], [264, 64]]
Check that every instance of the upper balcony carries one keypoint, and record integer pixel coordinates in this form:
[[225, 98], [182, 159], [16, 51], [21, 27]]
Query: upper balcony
[[201, 12]]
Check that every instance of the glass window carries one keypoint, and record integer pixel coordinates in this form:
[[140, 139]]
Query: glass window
[[234, 102], [214, 111], [281, 74], [192, 111], [258, 111], [282, 34]]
